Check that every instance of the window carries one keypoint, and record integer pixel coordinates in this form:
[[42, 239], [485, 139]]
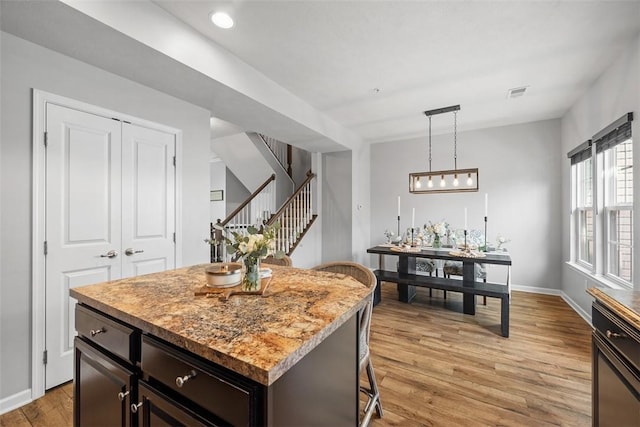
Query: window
[[584, 211], [618, 211], [602, 182]]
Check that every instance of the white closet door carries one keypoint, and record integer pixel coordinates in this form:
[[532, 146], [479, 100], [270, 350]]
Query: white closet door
[[148, 200], [83, 227]]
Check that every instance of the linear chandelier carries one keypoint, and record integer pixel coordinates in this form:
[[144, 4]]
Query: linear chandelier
[[444, 181]]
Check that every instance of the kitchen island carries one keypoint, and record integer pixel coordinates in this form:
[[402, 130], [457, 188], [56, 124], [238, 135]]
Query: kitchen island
[[288, 357]]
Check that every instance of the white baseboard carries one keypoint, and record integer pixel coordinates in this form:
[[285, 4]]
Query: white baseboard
[[14, 402], [547, 291], [536, 290], [585, 315]]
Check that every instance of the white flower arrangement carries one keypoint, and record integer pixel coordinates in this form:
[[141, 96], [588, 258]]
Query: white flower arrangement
[[439, 229], [501, 240]]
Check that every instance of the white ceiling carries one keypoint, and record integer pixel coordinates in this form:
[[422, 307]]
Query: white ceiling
[[423, 55], [330, 55]]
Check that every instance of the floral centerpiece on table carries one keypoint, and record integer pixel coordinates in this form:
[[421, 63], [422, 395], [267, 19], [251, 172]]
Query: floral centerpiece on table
[[438, 230], [252, 246], [501, 240]]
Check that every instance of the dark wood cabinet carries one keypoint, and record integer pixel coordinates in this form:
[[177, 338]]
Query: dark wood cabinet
[[615, 369], [103, 388], [155, 409]]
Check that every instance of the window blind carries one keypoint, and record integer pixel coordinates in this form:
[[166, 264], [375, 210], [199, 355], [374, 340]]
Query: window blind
[[614, 134], [580, 153]]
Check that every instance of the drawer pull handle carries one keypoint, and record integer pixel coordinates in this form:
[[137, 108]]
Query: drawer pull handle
[[135, 407], [95, 332], [615, 334], [181, 380], [122, 395]]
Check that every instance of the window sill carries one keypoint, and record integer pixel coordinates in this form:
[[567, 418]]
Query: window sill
[[597, 278]]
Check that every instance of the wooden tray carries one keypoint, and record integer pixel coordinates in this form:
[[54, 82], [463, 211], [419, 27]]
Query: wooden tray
[[225, 293]]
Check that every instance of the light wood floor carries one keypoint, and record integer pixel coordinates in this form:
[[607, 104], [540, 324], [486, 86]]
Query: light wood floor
[[438, 367]]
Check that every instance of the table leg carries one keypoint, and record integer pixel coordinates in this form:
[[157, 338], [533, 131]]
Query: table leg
[[504, 315], [406, 265], [377, 293], [468, 279]]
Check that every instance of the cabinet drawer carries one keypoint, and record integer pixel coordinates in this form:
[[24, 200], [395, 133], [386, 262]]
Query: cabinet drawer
[[113, 336], [196, 381], [617, 333]]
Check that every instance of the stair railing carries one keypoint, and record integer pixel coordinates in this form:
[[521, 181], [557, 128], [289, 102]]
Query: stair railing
[[256, 210], [295, 216], [282, 152]]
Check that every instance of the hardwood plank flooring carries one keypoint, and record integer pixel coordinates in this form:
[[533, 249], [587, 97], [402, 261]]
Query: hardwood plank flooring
[[53, 410], [438, 367]]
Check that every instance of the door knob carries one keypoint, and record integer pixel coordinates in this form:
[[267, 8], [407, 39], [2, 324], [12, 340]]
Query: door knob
[[131, 251], [110, 254]]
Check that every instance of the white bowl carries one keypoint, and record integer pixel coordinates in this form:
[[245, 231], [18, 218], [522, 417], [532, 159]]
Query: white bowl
[[223, 275]]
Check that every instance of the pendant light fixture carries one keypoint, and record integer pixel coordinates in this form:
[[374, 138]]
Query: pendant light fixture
[[447, 180]]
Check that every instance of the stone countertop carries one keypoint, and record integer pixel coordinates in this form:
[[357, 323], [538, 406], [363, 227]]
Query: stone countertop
[[625, 303], [259, 337]]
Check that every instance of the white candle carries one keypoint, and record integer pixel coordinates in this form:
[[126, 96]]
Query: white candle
[[486, 204], [398, 205], [465, 218], [413, 218]]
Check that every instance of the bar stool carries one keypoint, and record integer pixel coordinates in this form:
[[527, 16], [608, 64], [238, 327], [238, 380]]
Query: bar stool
[[367, 278]]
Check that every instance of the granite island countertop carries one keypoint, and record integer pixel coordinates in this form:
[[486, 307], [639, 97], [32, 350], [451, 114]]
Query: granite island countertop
[[259, 337], [624, 302]]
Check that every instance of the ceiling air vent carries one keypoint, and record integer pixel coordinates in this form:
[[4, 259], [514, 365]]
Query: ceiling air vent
[[517, 92]]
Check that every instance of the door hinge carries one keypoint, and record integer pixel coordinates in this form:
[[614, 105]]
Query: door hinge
[[174, 237], [46, 248], [45, 357], [46, 139], [174, 160]]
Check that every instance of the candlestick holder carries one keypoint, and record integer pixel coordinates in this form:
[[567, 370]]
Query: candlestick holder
[[398, 225], [466, 247], [485, 234], [413, 242]]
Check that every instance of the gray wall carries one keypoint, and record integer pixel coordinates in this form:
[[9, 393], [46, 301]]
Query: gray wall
[[615, 93], [519, 167], [26, 66], [300, 165], [235, 193], [336, 206]]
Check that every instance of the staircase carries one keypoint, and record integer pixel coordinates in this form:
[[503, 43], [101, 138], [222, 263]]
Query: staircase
[[295, 217], [281, 151], [256, 210]]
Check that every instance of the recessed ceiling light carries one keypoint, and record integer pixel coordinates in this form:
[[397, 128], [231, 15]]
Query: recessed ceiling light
[[222, 20]]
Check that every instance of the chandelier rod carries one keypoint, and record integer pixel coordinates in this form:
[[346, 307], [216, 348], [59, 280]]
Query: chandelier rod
[[455, 140]]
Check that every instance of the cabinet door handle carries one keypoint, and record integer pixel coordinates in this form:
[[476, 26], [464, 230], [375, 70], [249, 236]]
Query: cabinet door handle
[[135, 407], [122, 395], [95, 332], [180, 381], [612, 335]]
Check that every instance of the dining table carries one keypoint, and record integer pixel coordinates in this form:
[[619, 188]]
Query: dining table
[[408, 278]]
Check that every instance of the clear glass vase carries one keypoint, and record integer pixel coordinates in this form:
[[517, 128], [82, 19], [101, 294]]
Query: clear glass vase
[[251, 274], [437, 244]]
